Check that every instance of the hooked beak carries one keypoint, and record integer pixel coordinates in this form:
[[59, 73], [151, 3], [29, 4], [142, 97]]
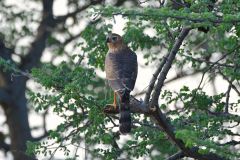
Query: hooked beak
[[107, 40]]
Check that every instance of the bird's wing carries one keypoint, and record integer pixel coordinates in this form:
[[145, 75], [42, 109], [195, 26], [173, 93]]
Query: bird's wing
[[121, 69]]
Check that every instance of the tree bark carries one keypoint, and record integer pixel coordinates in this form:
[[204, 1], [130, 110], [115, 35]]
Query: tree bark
[[17, 120], [14, 104], [12, 89]]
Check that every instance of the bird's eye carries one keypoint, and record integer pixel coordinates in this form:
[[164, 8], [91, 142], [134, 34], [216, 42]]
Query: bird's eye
[[114, 38]]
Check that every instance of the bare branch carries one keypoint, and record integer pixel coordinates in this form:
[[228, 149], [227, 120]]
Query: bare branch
[[168, 64], [176, 156], [180, 75], [67, 41], [137, 106], [227, 97], [226, 78], [156, 114], [4, 96], [73, 14], [209, 68], [208, 62], [176, 16], [43, 32], [232, 142], [161, 2], [46, 133], [153, 80]]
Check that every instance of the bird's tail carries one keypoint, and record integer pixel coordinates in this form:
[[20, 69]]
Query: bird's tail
[[125, 114]]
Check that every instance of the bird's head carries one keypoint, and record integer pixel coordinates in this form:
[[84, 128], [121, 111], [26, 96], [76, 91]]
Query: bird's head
[[115, 42]]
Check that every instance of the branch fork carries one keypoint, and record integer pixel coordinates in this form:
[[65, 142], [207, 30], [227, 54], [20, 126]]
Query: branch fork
[[150, 107]]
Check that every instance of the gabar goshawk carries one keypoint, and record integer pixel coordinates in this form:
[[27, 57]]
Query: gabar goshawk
[[121, 72]]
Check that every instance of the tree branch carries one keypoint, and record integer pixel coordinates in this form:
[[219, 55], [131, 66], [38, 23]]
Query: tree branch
[[153, 80], [4, 96], [176, 15], [226, 78], [156, 113], [179, 75], [67, 41], [137, 106], [46, 133], [168, 65], [43, 32], [208, 62], [73, 14], [232, 142], [227, 97], [4, 146], [176, 156]]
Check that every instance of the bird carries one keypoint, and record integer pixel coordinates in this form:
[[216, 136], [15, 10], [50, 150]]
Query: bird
[[121, 69]]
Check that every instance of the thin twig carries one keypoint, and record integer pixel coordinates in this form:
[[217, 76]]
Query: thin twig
[[209, 68], [226, 78], [233, 142], [179, 17], [208, 62], [227, 97]]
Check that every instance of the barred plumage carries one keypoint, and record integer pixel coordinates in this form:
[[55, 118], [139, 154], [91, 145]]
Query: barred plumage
[[121, 69], [121, 72]]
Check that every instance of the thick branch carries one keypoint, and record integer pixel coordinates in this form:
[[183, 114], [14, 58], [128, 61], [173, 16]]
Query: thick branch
[[161, 120], [153, 80], [136, 106], [179, 75], [176, 156], [43, 32], [156, 114], [168, 65], [4, 146], [4, 96]]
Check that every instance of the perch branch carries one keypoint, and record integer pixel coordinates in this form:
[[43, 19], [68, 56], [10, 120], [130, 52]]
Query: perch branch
[[136, 106], [176, 156], [160, 119]]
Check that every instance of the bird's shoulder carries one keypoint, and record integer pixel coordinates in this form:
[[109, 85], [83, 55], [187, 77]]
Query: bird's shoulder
[[123, 52]]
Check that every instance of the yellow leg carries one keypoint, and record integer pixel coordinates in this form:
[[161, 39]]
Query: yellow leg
[[115, 101]]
